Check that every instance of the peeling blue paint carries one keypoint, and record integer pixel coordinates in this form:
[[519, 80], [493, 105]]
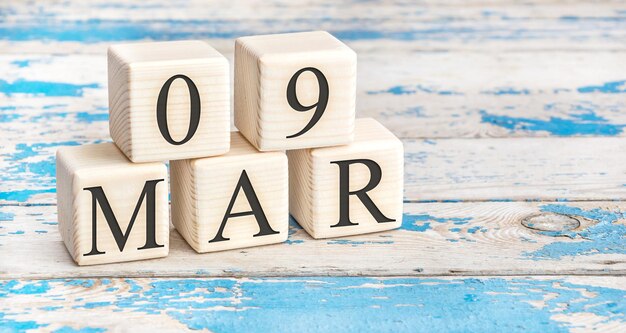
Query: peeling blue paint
[[411, 90], [93, 305], [67, 329], [606, 236], [87, 283], [476, 229], [294, 227], [24, 195], [14, 287], [422, 222], [506, 91], [6, 216], [355, 304], [589, 125], [43, 170], [613, 87], [21, 63], [86, 117], [43, 88], [8, 117], [10, 325], [355, 243]]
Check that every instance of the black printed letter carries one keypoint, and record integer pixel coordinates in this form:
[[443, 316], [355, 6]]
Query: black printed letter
[[257, 211], [98, 196], [345, 193]]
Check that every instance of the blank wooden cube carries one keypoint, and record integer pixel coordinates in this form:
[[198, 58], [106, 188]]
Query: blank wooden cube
[[236, 200], [295, 90], [110, 209], [168, 100], [348, 190]]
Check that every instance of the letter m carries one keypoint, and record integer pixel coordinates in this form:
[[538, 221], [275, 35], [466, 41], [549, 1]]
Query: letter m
[[98, 197]]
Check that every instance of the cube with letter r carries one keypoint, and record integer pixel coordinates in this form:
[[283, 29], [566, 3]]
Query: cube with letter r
[[110, 209], [295, 90], [351, 189]]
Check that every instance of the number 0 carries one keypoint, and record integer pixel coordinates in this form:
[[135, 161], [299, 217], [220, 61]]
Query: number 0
[[161, 111], [320, 105]]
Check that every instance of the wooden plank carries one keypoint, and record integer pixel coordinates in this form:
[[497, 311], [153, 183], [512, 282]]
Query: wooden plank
[[435, 170], [515, 169], [491, 304], [435, 25], [448, 95], [436, 239]]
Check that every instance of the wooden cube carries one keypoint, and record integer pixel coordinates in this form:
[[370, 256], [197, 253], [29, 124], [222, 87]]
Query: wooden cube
[[295, 90], [236, 200], [110, 209], [168, 100], [348, 190]]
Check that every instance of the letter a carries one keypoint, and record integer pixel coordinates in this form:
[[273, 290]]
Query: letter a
[[257, 211]]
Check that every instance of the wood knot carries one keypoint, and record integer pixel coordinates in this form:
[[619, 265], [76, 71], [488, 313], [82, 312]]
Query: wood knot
[[550, 222]]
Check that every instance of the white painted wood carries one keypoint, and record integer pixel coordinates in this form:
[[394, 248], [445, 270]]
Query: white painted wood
[[430, 25], [265, 66], [441, 170], [459, 99], [123, 183], [202, 191], [515, 169], [137, 75], [486, 238], [548, 49], [315, 177]]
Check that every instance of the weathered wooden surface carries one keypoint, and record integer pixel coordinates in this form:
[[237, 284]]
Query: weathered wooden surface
[[357, 304], [512, 118], [435, 239], [435, 169]]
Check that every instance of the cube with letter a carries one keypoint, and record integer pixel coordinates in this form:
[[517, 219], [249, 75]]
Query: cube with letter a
[[231, 201], [294, 90], [351, 189], [168, 100], [110, 209]]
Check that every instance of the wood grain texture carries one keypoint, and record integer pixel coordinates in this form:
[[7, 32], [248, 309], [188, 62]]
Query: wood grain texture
[[207, 193], [432, 25], [431, 70], [321, 304], [435, 239], [515, 169], [435, 170], [127, 195], [191, 81], [319, 68], [372, 166], [476, 94]]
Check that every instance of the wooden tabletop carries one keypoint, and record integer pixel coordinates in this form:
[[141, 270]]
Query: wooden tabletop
[[512, 116]]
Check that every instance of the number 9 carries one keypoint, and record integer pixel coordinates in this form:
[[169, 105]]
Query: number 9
[[320, 105]]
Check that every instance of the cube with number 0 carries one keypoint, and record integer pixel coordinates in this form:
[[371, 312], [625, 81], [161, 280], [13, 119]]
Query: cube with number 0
[[169, 100], [295, 90]]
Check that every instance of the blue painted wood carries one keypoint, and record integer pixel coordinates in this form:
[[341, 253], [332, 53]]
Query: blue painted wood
[[319, 304], [53, 93]]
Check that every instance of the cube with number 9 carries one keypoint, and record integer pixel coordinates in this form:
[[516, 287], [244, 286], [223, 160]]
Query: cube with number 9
[[295, 90]]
